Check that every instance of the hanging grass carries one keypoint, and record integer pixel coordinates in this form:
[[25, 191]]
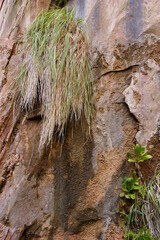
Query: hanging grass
[[56, 72]]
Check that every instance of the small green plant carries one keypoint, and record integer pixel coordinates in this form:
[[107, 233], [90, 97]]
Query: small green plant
[[140, 202], [143, 234], [130, 186], [140, 154]]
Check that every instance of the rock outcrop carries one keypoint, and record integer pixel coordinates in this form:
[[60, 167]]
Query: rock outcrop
[[70, 190]]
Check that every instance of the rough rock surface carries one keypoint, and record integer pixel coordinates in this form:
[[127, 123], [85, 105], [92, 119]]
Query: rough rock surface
[[70, 191]]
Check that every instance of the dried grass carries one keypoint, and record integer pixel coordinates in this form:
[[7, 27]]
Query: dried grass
[[151, 206], [146, 212], [56, 71]]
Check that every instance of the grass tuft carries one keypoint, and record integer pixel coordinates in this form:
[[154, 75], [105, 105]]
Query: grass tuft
[[56, 71], [146, 212]]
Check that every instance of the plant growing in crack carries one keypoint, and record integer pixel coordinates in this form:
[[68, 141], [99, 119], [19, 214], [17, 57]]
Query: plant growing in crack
[[130, 186], [140, 201], [140, 155]]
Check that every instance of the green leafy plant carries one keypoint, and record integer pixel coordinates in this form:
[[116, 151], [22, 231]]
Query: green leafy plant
[[140, 154], [140, 202], [130, 186], [56, 72], [143, 234]]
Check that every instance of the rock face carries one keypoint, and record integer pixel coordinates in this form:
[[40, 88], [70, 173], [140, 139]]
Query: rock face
[[70, 191]]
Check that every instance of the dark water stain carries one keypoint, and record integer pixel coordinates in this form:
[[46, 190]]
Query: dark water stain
[[72, 170], [134, 19]]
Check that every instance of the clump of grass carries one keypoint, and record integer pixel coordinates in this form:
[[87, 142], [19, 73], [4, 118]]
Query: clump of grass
[[56, 72], [151, 206], [146, 211]]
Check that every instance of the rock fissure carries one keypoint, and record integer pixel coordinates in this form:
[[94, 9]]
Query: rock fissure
[[1, 4], [119, 70]]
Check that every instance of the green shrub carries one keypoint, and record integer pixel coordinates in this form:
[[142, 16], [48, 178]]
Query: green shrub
[[130, 186], [140, 154]]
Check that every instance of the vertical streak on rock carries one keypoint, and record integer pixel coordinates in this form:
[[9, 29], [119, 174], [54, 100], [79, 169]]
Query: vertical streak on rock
[[134, 19], [1, 4], [72, 171], [81, 9], [94, 20], [158, 77]]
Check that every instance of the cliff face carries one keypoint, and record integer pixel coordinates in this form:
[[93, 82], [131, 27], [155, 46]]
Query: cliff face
[[70, 191]]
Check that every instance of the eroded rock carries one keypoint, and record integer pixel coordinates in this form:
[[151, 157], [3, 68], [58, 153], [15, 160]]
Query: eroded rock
[[70, 190], [143, 99]]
